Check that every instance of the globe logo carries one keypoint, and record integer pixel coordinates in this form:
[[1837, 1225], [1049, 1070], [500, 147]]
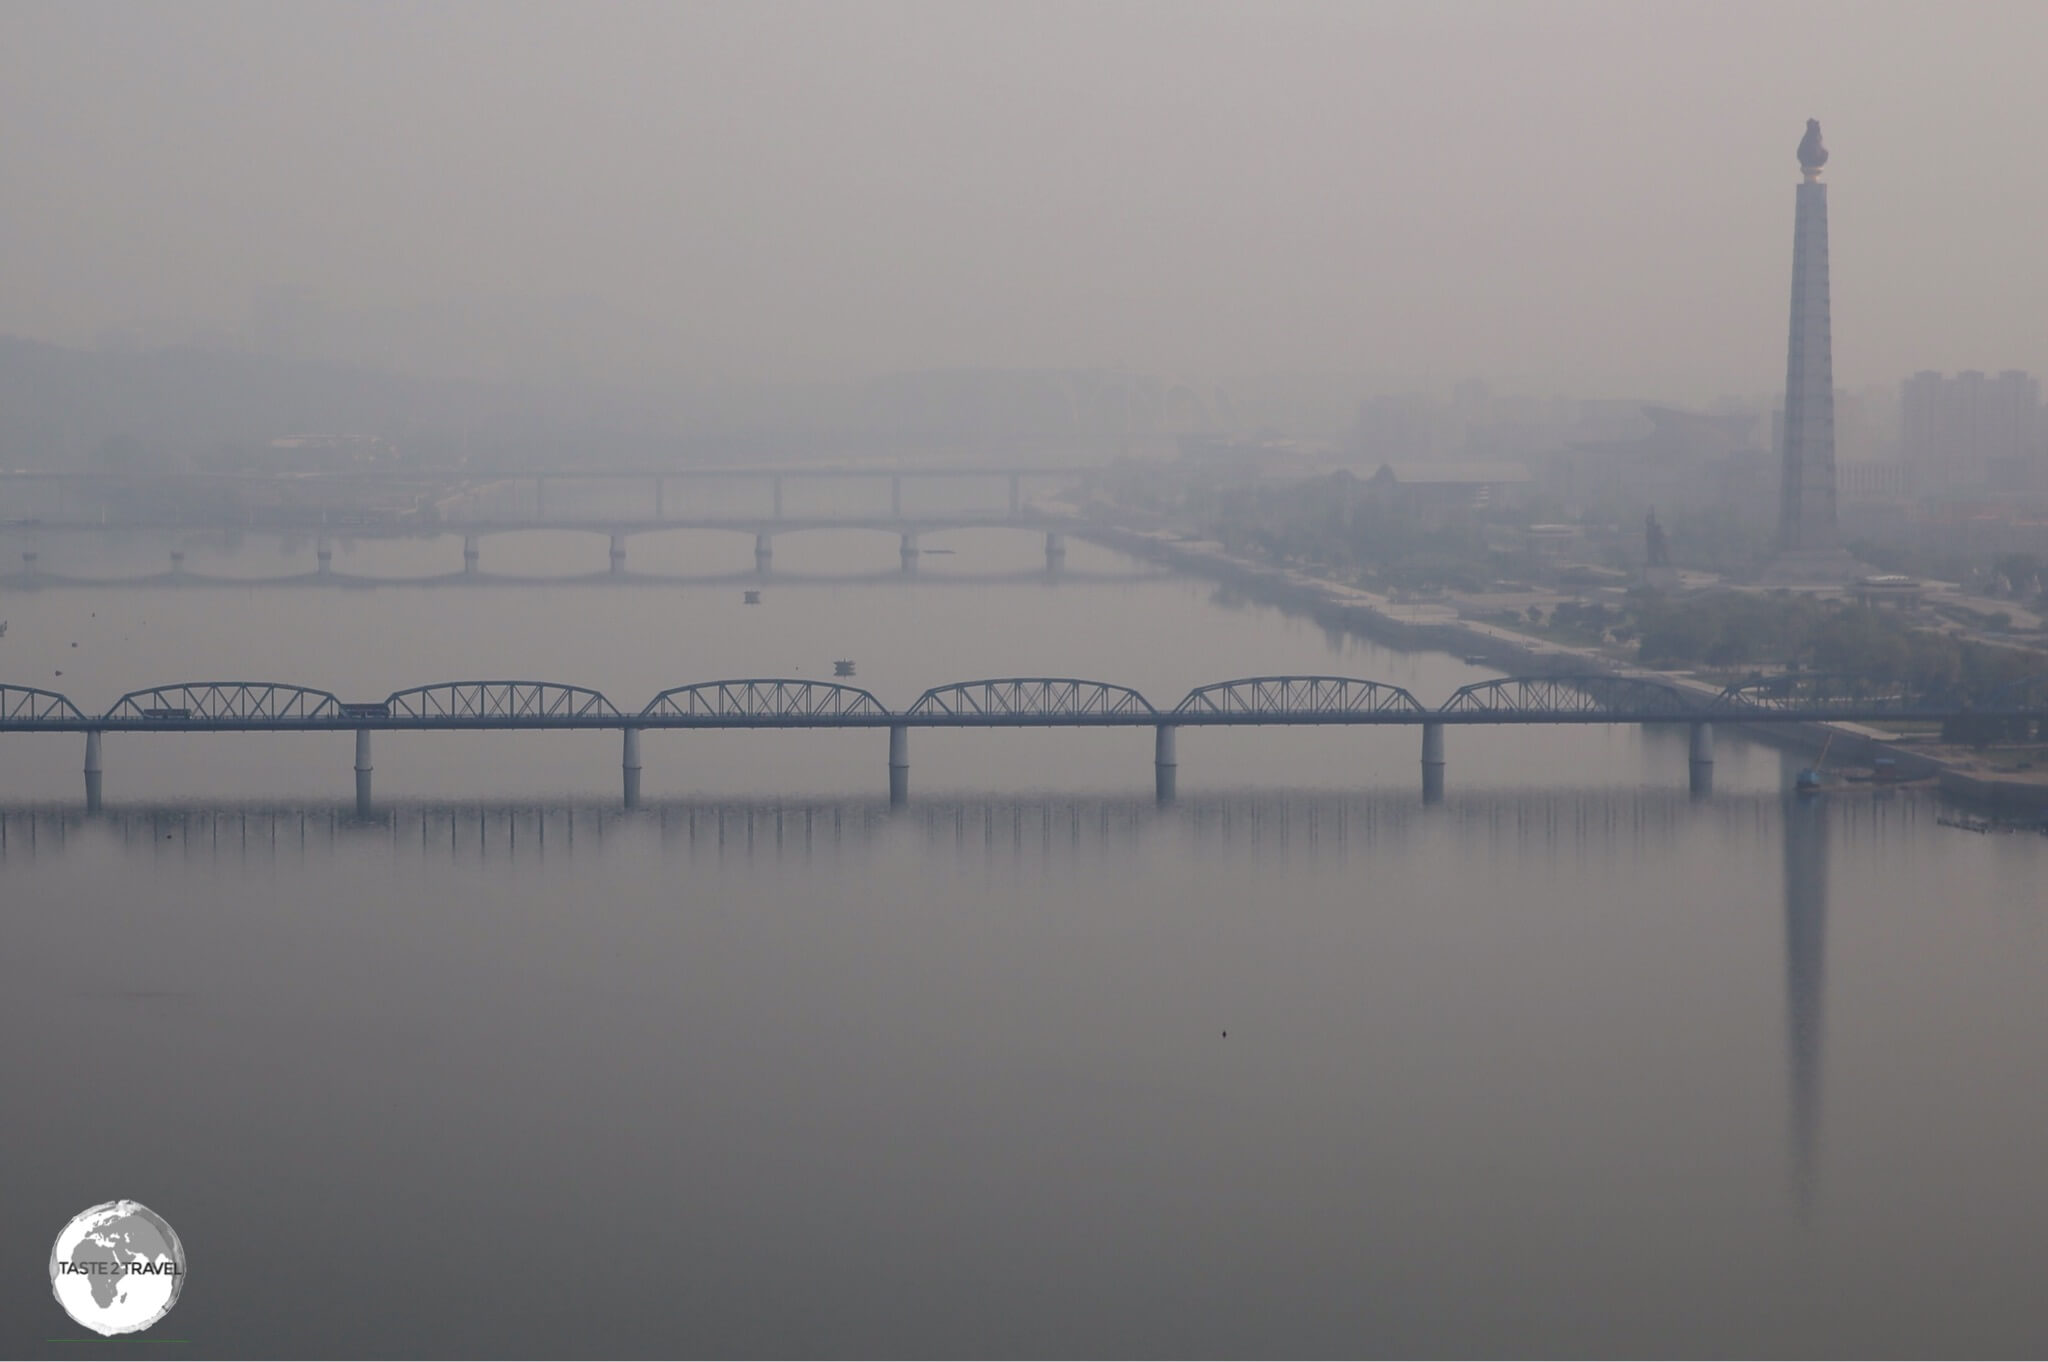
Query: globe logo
[[117, 1268]]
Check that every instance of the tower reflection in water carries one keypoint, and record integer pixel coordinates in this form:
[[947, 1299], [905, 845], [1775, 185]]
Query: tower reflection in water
[[1806, 908]]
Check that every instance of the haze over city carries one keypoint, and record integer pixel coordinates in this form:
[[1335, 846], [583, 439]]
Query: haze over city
[[1572, 197], [891, 679]]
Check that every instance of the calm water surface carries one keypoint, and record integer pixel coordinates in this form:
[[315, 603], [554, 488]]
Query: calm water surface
[[1571, 1063]]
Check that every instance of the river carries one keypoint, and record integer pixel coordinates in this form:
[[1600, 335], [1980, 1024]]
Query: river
[[1569, 1063]]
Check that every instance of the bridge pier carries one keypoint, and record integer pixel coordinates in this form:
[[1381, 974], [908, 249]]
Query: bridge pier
[[1432, 763], [92, 770], [28, 563], [324, 553], [896, 495], [470, 553], [1165, 762], [1700, 758], [764, 555], [363, 773], [1016, 496], [899, 764], [177, 565], [909, 553], [1055, 551], [618, 555], [629, 763]]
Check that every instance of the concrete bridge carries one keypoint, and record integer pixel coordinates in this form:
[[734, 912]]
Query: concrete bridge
[[630, 502], [1010, 702], [909, 549], [65, 501]]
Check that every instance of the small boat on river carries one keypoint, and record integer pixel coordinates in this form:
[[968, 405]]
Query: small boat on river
[[1810, 780]]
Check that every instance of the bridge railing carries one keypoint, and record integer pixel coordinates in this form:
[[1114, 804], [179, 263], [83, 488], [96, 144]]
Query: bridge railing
[[31, 705], [1535, 697], [765, 700], [1282, 697], [225, 701], [1026, 698], [500, 700]]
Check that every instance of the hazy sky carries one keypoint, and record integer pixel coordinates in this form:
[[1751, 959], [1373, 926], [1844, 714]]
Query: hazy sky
[[1578, 196]]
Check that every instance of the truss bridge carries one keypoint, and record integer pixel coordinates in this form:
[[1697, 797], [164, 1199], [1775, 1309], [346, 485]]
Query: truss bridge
[[196, 707]]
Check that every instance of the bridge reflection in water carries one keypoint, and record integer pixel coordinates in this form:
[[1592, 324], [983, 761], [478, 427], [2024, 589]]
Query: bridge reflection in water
[[1047, 831], [1311, 822]]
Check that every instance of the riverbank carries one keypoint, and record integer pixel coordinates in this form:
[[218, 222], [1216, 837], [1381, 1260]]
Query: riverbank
[[1340, 607]]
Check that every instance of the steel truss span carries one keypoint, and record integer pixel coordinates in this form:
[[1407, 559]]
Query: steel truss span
[[1031, 700], [1297, 698], [28, 705], [1537, 698], [772, 702], [227, 701], [783, 702], [511, 703]]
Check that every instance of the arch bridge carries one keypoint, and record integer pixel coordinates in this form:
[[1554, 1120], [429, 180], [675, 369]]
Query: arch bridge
[[1006, 702]]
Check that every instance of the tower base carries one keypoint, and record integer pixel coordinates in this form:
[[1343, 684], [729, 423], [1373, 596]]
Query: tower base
[[1812, 567]]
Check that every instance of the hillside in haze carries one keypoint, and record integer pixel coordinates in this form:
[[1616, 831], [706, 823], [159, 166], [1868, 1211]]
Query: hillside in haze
[[190, 408], [194, 408]]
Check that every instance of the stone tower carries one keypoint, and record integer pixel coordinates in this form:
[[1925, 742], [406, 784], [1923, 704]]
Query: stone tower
[[1806, 506]]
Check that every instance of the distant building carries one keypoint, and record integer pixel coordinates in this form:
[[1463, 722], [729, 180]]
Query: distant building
[[1676, 459], [1871, 483], [1437, 491], [1554, 541], [1972, 432], [329, 453], [1888, 588], [1025, 413], [1225, 457]]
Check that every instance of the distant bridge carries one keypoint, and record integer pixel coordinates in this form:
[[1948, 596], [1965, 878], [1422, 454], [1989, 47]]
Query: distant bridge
[[908, 530], [72, 501], [1007, 702]]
